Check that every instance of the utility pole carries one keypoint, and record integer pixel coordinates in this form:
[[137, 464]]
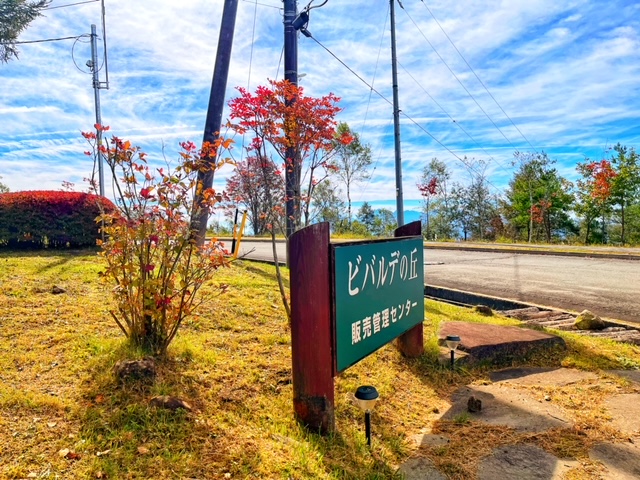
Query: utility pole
[[216, 106], [292, 183], [93, 65], [396, 118]]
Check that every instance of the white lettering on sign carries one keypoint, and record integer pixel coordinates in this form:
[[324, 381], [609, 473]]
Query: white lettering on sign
[[378, 321], [380, 272]]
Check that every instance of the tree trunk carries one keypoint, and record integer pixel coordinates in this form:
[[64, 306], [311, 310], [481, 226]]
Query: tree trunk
[[622, 222], [349, 206], [586, 235], [427, 232]]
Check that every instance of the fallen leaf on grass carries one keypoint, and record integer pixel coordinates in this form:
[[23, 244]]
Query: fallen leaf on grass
[[69, 455], [52, 424], [143, 450]]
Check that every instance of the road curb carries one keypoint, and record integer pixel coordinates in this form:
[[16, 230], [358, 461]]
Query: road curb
[[522, 251], [489, 248]]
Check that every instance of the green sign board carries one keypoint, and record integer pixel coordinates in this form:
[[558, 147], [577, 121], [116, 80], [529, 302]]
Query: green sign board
[[378, 294]]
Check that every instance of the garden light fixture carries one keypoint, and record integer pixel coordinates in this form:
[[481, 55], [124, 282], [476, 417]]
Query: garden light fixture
[[366, 397], [452, 342]]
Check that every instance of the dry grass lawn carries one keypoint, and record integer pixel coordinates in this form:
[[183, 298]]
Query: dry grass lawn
[[63, 415]]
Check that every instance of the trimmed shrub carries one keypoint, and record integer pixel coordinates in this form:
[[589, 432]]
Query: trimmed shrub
[[50, 219]]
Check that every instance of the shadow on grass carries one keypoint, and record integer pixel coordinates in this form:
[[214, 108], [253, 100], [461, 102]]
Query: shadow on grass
[[267, 275], [349, 459], [47, 252]]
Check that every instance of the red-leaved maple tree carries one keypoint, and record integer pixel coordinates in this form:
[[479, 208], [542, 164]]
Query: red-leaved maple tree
[[301, 130], [595, 191], [602, 173]]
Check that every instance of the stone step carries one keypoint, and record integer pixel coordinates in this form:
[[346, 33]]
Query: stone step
[[553, 323], [519, 312]]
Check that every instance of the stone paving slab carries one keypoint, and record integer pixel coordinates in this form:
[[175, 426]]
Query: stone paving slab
[[495, 342], [430, 439], [631, 375], [532, 376], [621, 460], [512, 407], [420, 468], [523, 462], [624, 409], [510, 402]]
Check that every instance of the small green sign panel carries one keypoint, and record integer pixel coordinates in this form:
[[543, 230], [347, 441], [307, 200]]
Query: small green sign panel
[[379, 295]]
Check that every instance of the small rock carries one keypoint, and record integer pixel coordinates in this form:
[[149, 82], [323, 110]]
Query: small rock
[[483, 310], [474, 404], [170, 403], [589, 321], [547, 398], [144, 369], [56, 290]]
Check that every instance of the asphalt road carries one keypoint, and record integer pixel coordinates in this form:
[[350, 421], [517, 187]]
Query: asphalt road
[[607, 287]]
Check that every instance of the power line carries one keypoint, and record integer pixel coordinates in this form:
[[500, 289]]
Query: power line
[[70, 4], [41, 41], [458, 79], [451, 118], [253, 36], [464, 162], [263, 4], [366, 113], [375, 70], [476, 75]]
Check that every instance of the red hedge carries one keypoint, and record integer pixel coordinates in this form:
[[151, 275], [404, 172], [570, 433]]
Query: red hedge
[[40, 219]]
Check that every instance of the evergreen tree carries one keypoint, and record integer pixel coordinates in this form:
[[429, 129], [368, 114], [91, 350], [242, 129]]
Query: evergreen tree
[[15, 16], [539, 200], [625, 186]]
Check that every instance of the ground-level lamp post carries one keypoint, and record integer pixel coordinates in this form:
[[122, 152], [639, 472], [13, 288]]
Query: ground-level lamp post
[[366, 397], [452, 342]]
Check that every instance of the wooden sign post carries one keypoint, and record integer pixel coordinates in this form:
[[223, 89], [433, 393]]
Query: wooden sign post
[[311, 332], [347, 301]]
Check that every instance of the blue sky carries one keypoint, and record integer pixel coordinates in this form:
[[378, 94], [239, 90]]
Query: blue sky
[[566, 73]]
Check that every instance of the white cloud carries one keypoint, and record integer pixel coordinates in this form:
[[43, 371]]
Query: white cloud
[[565, 72]]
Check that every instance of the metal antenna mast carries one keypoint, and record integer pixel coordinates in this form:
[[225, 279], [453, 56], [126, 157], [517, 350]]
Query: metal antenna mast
[[93, 65], [97, 85]]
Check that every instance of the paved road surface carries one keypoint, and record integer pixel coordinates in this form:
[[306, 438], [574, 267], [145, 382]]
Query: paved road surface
[[608, 287]]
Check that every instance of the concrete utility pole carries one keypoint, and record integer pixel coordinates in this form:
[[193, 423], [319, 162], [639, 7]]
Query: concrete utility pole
[[216, 105], [93, 65], [292, 183], [396, 118]]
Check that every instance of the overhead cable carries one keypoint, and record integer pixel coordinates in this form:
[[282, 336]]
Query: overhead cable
[[41, 41], [458, 79], [70, 4], [463, 161], [476, 75]]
